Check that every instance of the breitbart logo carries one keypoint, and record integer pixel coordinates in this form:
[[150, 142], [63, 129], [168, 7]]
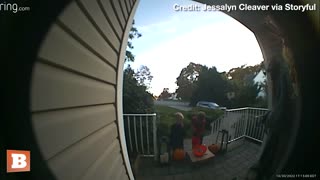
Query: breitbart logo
[[18, 161]]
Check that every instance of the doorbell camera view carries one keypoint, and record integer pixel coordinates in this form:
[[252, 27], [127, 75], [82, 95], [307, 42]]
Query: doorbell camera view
[[150, 89]]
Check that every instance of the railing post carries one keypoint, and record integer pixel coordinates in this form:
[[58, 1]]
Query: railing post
[[212, 124], [147, 126], [255, 131], [242, 128], [246, 121], [155, 145], [135, 133], [225, 122], [141, 135]]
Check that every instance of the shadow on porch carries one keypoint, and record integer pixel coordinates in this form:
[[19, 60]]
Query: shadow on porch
[[241, 155]]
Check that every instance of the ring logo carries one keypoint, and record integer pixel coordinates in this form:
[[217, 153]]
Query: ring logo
[[18, 161]]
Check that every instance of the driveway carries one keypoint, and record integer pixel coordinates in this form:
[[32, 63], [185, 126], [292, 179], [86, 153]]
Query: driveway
[[184, 106]]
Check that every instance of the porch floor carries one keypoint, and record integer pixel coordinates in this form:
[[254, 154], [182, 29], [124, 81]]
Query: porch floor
[[227, 166]]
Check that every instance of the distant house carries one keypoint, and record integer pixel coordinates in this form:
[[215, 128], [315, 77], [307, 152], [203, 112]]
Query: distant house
[[260, 79]]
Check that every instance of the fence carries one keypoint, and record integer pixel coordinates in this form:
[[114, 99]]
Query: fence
[[241, 122], [141, 134], [141, 129]]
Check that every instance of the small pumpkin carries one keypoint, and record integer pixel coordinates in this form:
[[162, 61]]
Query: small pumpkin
[[178, 154], [214, 148]]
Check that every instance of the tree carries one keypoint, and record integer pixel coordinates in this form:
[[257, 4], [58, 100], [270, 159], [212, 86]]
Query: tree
[[211, 86], [144, 76], [243, 74], [134, 33], [246, 95], [135, 97], [186, 81], [241, 79], [164, 94]]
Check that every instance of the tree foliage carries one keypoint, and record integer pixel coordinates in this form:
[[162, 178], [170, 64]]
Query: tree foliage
[[134, 33], [200, 83], [186, 81], [136, 98], [143, 76], [211, 86], [243, 74], [246, 91], [164, 94]]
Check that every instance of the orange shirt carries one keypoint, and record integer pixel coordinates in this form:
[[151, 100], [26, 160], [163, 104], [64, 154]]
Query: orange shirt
[[198, 126]]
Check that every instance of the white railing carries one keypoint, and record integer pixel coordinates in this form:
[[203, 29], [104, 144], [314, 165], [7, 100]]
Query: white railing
[[141, 134], [241, 122]]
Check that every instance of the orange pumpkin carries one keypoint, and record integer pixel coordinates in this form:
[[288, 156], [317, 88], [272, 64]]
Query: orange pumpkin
[[214, 148], [178, 154]]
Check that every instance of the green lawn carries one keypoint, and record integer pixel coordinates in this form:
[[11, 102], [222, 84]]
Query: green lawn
[[167, 118]]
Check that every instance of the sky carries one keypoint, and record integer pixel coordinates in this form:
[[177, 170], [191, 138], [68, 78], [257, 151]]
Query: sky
[[171, 40]]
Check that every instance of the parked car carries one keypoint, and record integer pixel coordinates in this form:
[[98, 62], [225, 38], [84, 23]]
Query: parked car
[[210, 105]]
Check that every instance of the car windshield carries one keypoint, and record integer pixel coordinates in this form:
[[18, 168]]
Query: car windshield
[[208, 104], [213, 105]]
